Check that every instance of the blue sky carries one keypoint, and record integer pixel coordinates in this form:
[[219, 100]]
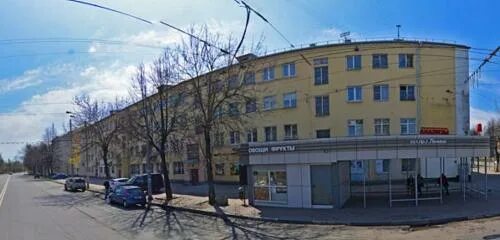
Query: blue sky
[[38, 79]]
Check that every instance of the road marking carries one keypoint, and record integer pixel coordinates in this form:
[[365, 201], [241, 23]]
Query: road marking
[[2, 194]]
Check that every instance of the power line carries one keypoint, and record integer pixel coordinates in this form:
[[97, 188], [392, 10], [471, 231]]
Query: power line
[[150, 22], [73, 40], [476, 74]]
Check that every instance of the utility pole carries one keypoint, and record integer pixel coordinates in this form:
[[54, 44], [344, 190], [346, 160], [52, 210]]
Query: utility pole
[[398, 26]]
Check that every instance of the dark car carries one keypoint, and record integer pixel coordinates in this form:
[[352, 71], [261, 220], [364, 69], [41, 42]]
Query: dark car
[[128, 196], [59, 176], [142, 182], [36, 176]]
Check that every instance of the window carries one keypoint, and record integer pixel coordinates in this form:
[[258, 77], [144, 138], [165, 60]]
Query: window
[[234, 169], [233, 109], [251, 106], [268, 74], [355, 127], [252, 135], [219, 112], [219, 139], [320, 71], [408, 164], [322, 106], [408, 126], [234, 137], [219, 169], [323, 133], [353, 62], [288, 69], [405, 60], [178, 168], [379, 61], [269, 102], [290, 100], [354, 94], [291, 131], [382, 166], [407, 93], [381, 93], [270, 185], [271, 134], [381, 126], [233, 82], [249, 78]]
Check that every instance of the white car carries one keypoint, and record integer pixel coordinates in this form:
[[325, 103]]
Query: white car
[[116, 182]]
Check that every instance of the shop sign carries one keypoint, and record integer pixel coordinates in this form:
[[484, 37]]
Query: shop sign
[[286, 148], [428, 141], [434, 131]]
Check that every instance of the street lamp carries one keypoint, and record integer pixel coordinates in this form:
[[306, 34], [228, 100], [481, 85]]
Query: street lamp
[[71, 136]]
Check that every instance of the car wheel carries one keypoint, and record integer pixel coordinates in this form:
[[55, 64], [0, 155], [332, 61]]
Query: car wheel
[[83, 189], [125, 204]]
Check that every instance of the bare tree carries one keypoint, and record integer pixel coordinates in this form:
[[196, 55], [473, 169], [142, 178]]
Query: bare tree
[[219, 87], [100, 123], [493, 130]]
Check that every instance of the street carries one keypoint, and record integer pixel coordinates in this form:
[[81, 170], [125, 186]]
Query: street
[[40, 209]]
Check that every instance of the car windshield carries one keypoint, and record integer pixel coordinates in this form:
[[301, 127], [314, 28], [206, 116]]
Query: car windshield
[[79, 180], [122, 180]]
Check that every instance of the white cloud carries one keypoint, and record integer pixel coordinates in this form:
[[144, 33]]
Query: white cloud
[[482, 116], [27, 122], [29, 78]]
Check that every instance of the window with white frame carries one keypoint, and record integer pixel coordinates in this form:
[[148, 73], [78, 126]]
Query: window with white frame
[[382, 126], [178, 168], [322, 105], [234, 137], [249, 78], [405, 60], [407, 92], [288, 69], [270, 185], [268, 74], [271, 134], [382, 166], [353, 62], [320, 71], [269, 102], [381, 93], [252, 135], [290, 100], [354, 94], [233, 82], [379, 61], [408, 164], [291, 132], [355, 127], [408, 126]]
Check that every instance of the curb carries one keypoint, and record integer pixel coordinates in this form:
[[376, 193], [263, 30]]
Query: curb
[[414, 223]]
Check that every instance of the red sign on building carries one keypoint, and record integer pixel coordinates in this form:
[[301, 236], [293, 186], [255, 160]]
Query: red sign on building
[[434, 131]]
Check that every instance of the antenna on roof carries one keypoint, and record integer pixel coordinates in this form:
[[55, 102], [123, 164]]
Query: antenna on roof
[[398, 26], [345, 36]]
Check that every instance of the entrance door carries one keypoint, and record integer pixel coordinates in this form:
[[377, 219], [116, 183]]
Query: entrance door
[[357, 171], [194, 176], [321, 185]]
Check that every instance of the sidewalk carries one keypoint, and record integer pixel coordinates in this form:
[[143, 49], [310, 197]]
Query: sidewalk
[[377, 212]]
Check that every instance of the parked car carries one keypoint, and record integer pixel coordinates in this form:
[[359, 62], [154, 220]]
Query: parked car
[[10, 173], [59, 176], [113, 183], [36, 176], [75, 183], [142, 182], [127, 196]]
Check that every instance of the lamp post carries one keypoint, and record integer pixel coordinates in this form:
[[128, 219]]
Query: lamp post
[[71, 116]]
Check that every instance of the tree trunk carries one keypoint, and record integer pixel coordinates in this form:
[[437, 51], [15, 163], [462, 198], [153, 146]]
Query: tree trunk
[[166, 178], [105, 160], [210, 174], [497, 155]]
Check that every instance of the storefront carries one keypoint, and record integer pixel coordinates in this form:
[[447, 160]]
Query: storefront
[[317, 173]]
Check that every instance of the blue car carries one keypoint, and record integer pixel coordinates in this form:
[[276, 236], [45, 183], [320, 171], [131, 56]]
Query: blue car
[[58, 176], [127, 196]]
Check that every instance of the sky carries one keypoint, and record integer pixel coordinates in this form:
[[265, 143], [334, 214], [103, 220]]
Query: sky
[[53, 50]]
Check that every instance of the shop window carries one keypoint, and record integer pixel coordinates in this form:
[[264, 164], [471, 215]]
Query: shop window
[[408, 164], [271, 186], [219, 169]]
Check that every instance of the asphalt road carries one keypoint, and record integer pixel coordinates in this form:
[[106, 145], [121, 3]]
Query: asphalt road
[[39, 209]]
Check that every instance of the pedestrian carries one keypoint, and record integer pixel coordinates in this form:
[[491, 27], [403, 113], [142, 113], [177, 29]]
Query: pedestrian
[[444, 182], [106, 189], [410, 184], [420, 183]]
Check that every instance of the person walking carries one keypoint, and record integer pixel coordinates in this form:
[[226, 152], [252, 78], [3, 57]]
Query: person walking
[[420, 183], [444, 182], [106, 189]]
